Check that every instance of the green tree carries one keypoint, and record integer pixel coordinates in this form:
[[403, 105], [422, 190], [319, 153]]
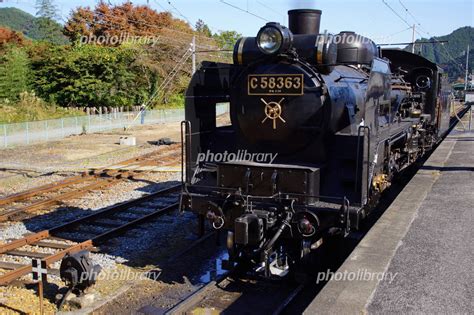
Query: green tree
[[89, 75], [227, 39], [46, 26], [203, 28], [14, 73], [46, 9]]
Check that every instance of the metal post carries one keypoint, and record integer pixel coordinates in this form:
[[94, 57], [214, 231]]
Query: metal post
[[413, 40], [27, 134], [470, 117], [5, 142], [40, 293], [467, 70], [194, 54]]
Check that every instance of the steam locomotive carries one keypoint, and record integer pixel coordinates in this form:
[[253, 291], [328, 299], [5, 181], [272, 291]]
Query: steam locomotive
[[340, 118]]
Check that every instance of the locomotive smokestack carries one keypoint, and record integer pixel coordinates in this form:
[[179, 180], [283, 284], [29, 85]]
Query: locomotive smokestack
[[304, 21]]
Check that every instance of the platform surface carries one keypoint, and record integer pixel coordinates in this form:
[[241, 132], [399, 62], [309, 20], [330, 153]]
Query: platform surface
[[422, 248]]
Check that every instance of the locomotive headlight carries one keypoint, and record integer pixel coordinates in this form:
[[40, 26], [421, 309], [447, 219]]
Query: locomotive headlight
[[274, 38], [269, 40]]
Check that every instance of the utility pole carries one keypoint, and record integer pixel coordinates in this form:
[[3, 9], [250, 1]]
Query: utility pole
[[413, 40], [467, 69], [194, 53]]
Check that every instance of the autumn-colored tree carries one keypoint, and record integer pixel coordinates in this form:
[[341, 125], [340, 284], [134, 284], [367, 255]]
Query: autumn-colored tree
[[116, 20], [80, 23], [7, 36]]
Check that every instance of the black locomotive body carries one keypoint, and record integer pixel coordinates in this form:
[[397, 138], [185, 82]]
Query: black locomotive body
[[339, 117]]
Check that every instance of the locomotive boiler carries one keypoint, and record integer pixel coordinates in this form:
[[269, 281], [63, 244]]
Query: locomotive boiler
[[340, 116]]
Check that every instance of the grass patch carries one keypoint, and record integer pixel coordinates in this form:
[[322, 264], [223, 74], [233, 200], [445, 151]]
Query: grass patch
[[32, 108], [175, 101]]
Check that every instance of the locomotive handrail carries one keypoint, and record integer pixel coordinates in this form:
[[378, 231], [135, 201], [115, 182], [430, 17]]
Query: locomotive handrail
[[345, 208], [185, 150], [368, 158]]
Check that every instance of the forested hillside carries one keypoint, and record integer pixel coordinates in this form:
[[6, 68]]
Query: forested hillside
[[28, 25], [451, 55]]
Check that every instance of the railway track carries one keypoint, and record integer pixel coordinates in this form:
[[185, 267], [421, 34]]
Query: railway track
[[21, 205], [234, 294], [84, 233]]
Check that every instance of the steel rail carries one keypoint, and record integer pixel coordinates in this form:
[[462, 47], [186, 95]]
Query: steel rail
[[209, 289], [285, 303], [195, 297], [7, 215], [101, 182], [43, 189]]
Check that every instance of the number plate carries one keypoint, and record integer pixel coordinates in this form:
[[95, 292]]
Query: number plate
[[275, 84]]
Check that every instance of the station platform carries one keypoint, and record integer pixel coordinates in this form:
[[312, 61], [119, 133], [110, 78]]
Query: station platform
[[419, 256]]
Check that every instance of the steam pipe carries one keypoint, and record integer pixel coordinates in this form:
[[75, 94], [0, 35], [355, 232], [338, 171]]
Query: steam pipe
[[269, 245]]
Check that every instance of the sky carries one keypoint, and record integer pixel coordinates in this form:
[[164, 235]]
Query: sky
[[371, 18]]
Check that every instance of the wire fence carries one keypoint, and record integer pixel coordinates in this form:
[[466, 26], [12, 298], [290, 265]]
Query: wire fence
[[47, 130]]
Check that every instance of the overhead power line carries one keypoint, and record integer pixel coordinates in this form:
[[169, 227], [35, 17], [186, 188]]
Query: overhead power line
[[159, 4], [271, 9], [396, 13], [179, 12], [413, 17], [244, 10], [407, 11], [424, 42], [391, 35], [187, 19]]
